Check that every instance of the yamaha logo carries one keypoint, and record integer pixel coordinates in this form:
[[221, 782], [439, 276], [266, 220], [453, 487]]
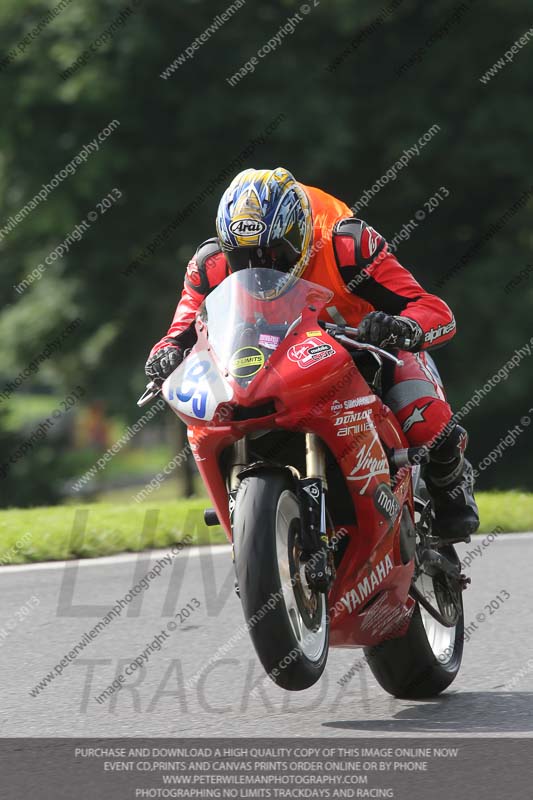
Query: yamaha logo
[[247, 227]]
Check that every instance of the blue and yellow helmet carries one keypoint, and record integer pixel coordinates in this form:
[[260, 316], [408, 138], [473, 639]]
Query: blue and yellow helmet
[[264, 220]]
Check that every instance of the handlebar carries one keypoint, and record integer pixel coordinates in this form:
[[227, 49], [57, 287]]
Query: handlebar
[[342, 333], [347, 336]]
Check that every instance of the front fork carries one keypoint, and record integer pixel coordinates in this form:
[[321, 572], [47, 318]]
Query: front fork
[[312, 496], [311, 492], [238, 462]]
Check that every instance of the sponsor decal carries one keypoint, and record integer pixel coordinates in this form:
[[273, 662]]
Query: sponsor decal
[[442, 330], [246, 361], [247, 227], [386, 502], [359, 401], [267, 341], [384, 618], [354, 416], [416, 415], [351, 430], [313, 491], [194, 449], [321, 348], [373, 240], [314, 333], [307, 353], [353, 402], [369, 464], [357, 596]]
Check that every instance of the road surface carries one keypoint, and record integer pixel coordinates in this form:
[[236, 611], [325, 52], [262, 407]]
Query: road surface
[[199, 683]]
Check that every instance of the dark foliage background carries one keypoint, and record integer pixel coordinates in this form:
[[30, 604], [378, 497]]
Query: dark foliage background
[[349, 115]]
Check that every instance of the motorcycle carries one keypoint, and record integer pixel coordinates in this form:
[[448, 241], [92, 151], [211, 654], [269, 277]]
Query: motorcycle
[[318, 492]]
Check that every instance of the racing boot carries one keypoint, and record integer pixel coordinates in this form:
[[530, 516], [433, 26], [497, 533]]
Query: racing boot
[[450, 482]]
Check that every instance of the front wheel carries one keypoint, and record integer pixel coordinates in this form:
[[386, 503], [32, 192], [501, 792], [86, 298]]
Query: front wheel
[[288, 621]]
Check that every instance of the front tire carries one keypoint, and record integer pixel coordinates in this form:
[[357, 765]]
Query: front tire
[[288, 622]]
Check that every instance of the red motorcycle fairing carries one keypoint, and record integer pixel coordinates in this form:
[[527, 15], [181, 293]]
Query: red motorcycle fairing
[[309, 383]]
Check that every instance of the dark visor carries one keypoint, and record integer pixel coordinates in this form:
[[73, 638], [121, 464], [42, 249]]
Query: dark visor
[[281, 256]]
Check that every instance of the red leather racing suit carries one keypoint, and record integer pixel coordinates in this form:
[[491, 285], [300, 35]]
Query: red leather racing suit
[[355, 262]]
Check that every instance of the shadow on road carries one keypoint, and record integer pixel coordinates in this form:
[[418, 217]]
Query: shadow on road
[[464, 712]]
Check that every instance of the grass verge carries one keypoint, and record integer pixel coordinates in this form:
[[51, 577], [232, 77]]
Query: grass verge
[[61, 532], [100, 529]]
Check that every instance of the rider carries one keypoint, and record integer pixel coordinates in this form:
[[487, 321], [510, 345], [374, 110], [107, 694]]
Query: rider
[[267, 219]]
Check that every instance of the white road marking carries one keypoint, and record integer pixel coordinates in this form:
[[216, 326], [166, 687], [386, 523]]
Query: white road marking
[[121, 558]]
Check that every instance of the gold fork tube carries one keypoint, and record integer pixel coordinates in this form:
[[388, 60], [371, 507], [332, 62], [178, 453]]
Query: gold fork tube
[[239, 461], [315, 457]]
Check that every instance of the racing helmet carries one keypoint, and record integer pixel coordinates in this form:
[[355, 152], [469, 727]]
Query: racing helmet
[[264, 220]]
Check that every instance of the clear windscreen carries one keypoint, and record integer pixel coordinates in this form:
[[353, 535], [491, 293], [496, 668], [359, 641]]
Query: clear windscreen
[[248, 315]]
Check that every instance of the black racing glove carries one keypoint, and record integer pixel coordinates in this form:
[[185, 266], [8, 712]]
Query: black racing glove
[[164, 361], [384, 330]]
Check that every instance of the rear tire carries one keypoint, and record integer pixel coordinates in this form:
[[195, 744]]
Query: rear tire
[[411, 668], [289, 624], [425, 661]]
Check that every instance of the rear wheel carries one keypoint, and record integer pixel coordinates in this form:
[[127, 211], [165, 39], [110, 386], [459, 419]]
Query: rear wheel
[[288, 621], [426, 660]]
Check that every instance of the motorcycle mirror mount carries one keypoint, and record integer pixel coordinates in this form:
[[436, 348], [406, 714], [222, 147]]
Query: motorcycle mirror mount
[[151, 391]]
